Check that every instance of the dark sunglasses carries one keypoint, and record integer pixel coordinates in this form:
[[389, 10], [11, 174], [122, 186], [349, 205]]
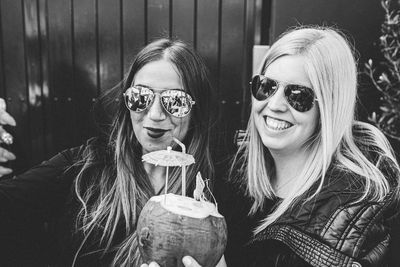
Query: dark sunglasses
[[301, 98], [176, 102]]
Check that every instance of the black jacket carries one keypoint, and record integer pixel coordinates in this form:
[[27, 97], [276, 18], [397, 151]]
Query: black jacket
[[38, 211], [330, 230]]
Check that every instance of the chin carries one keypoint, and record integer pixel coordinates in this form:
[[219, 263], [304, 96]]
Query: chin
[[274, 146], [149, 147]]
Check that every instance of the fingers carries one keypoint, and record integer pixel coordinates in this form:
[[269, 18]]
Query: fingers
[[190, 262], [222, 262], [6, 155], [152, 264], [5, 118], [5, 137], [4, 171]]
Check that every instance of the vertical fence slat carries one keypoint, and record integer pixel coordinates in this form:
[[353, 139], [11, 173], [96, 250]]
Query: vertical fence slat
[[61, 74], [44, 59], [85, 65], [109, 39], [249, 39], [183, 20], [207, 35], [34, 79], [232, 61], [15, 80], [2, 76], [133, 29], [158, 19]]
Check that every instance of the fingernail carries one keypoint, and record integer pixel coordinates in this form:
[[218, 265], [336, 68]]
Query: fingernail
[[187, 260], [11, 156], [2, 104], [6, 171], [10, 120]]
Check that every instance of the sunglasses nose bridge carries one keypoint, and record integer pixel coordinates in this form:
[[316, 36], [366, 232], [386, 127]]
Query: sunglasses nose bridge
[[277, 99], [156, 110]]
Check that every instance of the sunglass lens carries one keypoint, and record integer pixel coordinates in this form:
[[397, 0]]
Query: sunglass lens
[[254, 85], [301, 98], [138, 98], [262, 87], [176, 102]]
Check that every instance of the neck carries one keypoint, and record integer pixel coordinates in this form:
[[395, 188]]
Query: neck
[[287, 169], [156, 175]]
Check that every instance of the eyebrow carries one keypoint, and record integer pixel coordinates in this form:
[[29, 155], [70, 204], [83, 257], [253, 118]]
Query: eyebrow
[[157, 88]]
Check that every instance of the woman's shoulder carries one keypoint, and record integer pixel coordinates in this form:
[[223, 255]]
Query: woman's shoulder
[[74, 154], [341, 201], [350, 186], [338, 219], [389, 169]]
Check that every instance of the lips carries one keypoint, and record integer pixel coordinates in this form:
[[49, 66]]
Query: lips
[[155, 132]]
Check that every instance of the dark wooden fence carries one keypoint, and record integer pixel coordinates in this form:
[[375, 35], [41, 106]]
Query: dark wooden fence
[[57, 56]]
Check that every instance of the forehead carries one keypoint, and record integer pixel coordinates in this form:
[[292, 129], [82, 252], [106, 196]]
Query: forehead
[[289, 69], [159, 74]]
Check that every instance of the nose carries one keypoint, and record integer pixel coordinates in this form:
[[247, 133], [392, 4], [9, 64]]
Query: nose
[[156, 111], [277, 101]]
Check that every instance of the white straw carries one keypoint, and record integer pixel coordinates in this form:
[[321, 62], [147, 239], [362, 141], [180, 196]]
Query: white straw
[[166, 185], [183, 167]]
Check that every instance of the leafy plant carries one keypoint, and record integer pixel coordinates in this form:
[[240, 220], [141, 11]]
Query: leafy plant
[[385, 75]]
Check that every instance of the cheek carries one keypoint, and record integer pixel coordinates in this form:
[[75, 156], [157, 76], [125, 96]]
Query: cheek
[[136, 120], [316, 123], [181, 125], [313, 121], [258, 106], [315, 118], [136, 116]]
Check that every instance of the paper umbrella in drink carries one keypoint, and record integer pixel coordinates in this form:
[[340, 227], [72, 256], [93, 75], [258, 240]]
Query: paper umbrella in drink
[[172, 226]]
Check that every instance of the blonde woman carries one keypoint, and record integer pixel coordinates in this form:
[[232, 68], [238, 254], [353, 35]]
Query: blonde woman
[[319, 187], [94, 194]]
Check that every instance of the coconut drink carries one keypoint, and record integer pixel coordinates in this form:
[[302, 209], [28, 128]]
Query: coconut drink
[[172, 226]]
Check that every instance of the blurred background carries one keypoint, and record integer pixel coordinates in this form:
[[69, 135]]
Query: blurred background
[[57, 56]]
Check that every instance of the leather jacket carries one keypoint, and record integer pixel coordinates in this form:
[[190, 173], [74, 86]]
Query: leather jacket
[[330, 230]]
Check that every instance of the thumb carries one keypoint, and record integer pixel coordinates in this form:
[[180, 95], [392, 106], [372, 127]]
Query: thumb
[[189, 262]]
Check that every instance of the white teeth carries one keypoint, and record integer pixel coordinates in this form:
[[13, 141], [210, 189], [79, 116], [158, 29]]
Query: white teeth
[[277, 124]]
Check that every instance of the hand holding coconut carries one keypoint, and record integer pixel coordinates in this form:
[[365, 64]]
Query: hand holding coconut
[[189, 262], [172, 226]]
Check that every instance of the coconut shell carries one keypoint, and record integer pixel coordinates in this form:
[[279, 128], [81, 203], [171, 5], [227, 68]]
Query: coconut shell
[[166, 237]]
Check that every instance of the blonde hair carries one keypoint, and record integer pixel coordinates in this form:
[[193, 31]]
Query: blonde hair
[[332, 70]]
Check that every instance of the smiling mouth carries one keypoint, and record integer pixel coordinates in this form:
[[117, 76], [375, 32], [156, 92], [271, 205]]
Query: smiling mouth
[[277, 125], [155, 132]]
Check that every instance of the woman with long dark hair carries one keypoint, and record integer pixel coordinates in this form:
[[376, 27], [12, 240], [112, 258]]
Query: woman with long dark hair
[[93, 194]]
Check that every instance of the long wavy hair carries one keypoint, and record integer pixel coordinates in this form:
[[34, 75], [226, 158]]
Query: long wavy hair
[[339, 137], [112, 185]]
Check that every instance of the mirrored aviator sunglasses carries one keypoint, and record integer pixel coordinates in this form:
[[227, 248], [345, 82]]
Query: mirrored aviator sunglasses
[[301, 98], [175, 102]]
